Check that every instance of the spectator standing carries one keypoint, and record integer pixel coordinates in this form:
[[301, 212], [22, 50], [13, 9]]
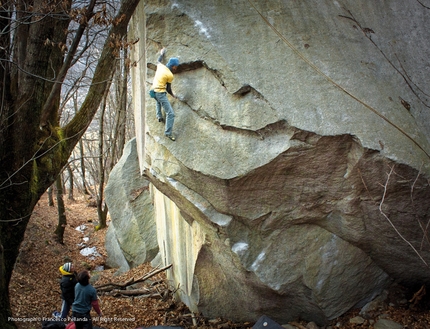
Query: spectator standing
[[67, 286], [85, 299]]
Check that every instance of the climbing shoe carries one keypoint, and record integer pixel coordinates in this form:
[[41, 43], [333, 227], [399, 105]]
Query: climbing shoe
[[160, 120], [171, 137]]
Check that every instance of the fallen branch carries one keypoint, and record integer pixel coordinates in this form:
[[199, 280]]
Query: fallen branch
[[151, 274], [418, 295], [143, 293], [108, 287]]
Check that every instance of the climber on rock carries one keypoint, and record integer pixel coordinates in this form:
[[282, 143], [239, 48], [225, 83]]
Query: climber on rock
[[161, 86]]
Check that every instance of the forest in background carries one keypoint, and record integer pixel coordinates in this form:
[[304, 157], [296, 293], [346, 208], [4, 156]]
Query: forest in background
[[61, 63]]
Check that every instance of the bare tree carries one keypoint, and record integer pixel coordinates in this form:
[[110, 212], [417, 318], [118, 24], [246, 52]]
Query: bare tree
[[82, 167], [39, 42], [50, 197], [102, 208], [120, 122], [104, 147], [62, 220], [71, 183]]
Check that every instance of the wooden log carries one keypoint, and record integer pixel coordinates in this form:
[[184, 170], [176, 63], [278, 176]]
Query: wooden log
[[108, 287]]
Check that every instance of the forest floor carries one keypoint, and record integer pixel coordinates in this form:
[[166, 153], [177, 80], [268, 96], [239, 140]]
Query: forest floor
[[35, 292]]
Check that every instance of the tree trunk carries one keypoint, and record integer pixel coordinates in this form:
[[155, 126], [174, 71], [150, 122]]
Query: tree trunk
[[50, 197], [31, 158], [70, 172], [83, 171], [102, 212], [62, 220], [81, 156], [121, 117]]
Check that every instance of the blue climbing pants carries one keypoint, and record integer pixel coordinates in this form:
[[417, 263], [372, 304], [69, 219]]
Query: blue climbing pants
[[163, 102]]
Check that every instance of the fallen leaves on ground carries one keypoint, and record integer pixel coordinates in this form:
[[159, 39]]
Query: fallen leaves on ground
[[35, 291]]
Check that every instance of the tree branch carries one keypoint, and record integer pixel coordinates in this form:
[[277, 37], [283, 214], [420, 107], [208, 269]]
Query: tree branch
[[115, 286], [102, 75], [56, 88], [391, 223]]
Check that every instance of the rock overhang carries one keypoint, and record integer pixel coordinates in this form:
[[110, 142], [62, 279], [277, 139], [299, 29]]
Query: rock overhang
[[322, 88], [290, 120]]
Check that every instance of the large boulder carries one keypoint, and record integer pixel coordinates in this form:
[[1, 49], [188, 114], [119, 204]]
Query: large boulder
[[298, 184], [131, 238]]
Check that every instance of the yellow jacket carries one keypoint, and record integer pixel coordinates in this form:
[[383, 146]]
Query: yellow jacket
[[162, 77]]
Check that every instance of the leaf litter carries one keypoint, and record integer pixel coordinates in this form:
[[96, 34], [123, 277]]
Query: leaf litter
[[35, 292]]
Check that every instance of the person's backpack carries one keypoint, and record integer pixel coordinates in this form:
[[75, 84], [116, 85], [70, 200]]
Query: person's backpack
[[53, 325]]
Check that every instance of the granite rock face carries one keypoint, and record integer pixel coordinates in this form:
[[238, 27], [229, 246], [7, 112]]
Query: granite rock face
[[298, 185], [131, 238]]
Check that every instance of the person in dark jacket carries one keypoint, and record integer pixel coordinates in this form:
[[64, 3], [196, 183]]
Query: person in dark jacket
[[67, 285]]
